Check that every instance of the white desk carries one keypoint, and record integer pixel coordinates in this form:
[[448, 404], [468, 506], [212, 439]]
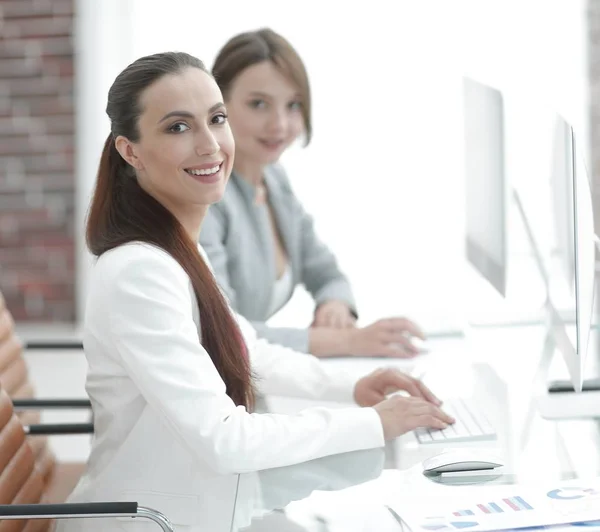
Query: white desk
[[552, 450], [496, 366]]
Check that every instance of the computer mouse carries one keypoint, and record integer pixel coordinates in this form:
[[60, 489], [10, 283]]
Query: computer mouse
[[461, 460], [420, 345]]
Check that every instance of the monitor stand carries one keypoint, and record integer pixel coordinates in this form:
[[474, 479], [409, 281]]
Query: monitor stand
[[548, 402], [558, 399]]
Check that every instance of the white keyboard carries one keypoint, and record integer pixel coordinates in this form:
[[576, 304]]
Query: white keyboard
[[471, 425]]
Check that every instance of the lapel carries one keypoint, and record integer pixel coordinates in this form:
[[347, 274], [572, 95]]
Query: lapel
[[262, 265], [287, 223]]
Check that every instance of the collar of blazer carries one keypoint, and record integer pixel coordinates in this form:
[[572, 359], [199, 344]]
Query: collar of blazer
[[281, 199]]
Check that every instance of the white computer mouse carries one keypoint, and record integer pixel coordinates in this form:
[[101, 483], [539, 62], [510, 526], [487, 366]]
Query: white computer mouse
[[461, 460], [420, 345]]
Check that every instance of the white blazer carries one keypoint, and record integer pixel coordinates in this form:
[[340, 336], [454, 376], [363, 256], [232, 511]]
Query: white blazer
[[166, 433]]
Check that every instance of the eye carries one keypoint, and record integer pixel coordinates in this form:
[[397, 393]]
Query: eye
[[295, 106], [257, 104], [219, 119], [179, 127]]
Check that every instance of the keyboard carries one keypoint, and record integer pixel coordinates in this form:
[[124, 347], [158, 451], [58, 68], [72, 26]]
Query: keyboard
[[471, 425]]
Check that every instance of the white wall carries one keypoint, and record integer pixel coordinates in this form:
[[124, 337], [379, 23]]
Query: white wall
[[103, 49], [383, 175]]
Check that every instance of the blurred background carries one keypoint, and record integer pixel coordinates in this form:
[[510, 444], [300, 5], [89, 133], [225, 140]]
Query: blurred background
[[386, 81]]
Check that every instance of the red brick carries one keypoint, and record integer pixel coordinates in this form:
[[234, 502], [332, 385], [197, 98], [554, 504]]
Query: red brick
[[20, 67], [45, 105], [51, 239], [38, 27], [24, 145], [54, 181], [11, 9], [58, 124], [37, 163], [12, 125], [25, 219], [47, 85], [25, 8], [62, 46]]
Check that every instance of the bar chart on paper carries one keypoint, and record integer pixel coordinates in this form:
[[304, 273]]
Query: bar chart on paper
[[509, 504], [555, 508], [504, 505]]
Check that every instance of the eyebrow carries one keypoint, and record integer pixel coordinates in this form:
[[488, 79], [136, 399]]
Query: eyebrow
[[187, 114], [261, 94], [266, 96]]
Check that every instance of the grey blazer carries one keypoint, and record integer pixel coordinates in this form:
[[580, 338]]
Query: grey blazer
[[237, 237]]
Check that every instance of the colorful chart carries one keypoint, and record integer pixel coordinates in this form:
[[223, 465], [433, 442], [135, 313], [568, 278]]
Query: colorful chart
[[509, 504], [571, 493], [572, 506], [506, 505]]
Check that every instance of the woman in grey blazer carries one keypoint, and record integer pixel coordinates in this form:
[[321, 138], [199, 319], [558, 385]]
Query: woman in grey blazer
[[260, 240]]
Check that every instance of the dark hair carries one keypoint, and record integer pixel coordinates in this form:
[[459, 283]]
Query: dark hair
[[121, 212], [253, 47]]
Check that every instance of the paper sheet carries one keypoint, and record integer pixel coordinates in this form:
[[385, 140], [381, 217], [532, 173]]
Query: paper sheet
[[575, 503]]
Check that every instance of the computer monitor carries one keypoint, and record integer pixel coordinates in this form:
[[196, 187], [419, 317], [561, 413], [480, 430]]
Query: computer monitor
[[572, 210], [585, 256], [561, 187], [485, 183], [487, 201], [574, 226]]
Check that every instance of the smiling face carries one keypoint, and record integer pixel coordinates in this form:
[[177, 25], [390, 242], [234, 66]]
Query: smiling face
[[265, 113], [184, 154]]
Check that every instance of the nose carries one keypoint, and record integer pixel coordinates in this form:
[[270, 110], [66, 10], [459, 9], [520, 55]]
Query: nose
[[206, 143], [278, 121]]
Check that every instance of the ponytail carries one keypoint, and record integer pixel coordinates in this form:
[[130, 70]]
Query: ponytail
[[121, 212]]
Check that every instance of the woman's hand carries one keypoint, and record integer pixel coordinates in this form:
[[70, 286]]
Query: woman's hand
[[376, 386], [400, 414], [388, 337], [334, 314]]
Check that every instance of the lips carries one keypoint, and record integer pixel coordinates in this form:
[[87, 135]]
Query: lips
[[271, 143], [205, 169], [207, 176]]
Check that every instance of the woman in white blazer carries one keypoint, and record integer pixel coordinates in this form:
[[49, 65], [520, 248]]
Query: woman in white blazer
[[172, 374]]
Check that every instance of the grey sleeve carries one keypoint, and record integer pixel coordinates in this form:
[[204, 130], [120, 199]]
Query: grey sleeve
[[296, 339]]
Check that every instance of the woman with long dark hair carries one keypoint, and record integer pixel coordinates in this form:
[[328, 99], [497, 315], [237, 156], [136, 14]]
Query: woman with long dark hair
[[172, 373]]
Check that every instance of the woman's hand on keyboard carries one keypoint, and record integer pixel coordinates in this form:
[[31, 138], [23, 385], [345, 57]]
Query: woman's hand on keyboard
[[403, 414], [376, 386]]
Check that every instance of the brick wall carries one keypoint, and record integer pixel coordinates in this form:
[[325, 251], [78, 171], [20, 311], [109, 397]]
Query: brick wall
[[37, 122]]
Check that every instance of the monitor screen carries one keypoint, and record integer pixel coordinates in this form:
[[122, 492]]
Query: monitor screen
[[561, 186], [485, 183], [585, 252]]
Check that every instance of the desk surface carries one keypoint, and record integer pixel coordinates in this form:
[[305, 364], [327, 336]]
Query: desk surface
[[348, 492]]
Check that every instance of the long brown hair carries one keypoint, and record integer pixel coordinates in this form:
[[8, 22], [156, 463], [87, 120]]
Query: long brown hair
[[121, 212], [253, 47]]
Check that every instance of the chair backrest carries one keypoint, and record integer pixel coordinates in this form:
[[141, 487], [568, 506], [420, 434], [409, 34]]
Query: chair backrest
[[21, 479], [13, 370], [15, 383]]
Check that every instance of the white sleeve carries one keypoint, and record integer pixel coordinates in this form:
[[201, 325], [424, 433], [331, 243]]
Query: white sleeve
[[285, 372], [151, 326]]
